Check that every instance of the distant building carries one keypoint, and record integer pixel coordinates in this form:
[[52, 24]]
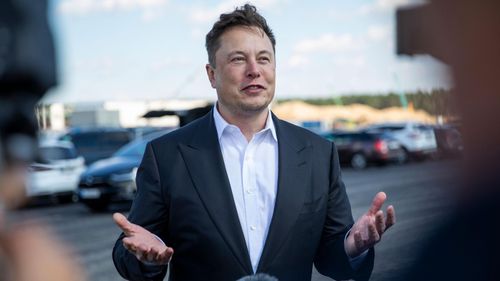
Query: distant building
[[95, 118], [127, 114]]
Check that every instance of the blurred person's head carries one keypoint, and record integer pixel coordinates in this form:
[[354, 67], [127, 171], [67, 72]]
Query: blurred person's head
[[242, 62], [27, 71]]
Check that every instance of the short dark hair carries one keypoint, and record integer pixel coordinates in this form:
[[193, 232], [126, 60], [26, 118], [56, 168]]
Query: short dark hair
[[246, 15]]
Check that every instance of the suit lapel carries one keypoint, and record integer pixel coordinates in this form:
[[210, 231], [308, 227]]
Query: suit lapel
[[293, 172], [205, 164]]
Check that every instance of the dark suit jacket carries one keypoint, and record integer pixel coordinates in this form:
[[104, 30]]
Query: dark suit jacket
[[184, 197]]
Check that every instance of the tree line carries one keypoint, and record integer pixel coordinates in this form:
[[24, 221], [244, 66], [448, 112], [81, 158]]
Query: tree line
[[436, 102]]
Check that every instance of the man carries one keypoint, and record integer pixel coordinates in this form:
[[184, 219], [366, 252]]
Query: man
[[239, 191]]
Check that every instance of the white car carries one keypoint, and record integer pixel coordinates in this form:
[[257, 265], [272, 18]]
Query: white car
[[417, 139], [57, 173]]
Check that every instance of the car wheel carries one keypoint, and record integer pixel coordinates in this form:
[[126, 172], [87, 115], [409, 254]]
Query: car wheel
[[358, 161], [403, 157], [67, 198], [97, 206]]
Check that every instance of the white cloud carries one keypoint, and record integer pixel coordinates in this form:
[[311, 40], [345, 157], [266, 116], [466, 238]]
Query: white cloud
[[378, 32], [82, 7], [381, 6], [171, 63], [304, 52], [203, 15], [297, 60], [326, 42], [197, 33], [356, 61], [150, 15]]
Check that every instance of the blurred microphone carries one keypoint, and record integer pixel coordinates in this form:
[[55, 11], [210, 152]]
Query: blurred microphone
[[258, 277]]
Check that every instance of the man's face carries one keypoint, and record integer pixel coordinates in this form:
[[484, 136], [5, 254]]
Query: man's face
[[244, 76]]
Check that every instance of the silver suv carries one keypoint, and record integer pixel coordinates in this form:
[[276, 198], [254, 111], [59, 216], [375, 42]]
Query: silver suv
[[417, 139]]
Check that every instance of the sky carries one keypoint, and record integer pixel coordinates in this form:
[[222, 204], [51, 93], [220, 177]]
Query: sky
[[126, 50]]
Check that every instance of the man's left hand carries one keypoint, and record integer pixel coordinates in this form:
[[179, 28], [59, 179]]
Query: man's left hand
[[368, 229]]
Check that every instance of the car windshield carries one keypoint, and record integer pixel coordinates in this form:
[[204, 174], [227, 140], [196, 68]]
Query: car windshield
[[136, 148]]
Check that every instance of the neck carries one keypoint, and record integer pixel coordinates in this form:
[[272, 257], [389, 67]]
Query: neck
[[249, 124]]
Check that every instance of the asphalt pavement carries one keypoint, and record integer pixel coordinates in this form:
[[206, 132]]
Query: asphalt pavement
[[419, 192]]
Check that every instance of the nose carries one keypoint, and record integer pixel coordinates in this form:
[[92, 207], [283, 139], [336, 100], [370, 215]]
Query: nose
[[253, 70]]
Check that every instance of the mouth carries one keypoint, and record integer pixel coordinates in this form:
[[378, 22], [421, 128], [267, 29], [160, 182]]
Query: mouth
[[253, 87]]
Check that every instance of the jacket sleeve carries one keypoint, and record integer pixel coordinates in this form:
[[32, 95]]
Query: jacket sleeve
[[331, 259], [150, 210]]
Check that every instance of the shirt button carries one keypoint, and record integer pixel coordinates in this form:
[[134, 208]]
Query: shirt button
[[249, 191], [253, 227]]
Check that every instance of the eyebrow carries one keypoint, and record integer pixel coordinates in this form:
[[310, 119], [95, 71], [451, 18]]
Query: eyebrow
[[243, 53], [265, 52]]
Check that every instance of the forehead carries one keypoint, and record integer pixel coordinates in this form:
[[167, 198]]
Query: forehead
[[245, 39]]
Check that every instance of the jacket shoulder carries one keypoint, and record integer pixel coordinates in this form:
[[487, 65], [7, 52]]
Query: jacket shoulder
[[301, 133], [182, 134]]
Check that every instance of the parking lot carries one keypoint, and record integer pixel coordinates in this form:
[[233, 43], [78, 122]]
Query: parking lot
[[417, 190]]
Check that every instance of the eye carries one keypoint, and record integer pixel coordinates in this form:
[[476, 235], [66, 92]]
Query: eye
[[265, 59], [237, 59]]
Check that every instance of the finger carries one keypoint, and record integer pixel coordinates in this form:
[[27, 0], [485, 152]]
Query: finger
[[377, 202], [373, 235], [165, 256], [151, 255], [391, 217], [358, 240], [129, 245], [123, 223], [141, 252], [139, 255], [379, 222]]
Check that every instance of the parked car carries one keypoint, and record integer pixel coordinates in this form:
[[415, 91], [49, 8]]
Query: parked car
[[113, 179], [359, 149], [97, 143], [449, 141], [417, 140], [57, 172]]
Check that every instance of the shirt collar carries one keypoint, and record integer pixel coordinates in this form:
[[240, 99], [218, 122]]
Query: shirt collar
[[221, 124]]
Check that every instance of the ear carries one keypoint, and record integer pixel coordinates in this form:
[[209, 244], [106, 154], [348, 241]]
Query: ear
[[211, 74]]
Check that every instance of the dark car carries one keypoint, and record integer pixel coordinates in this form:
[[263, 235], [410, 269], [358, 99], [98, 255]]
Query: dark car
[[97, 143], [359, 149], [113, 179]]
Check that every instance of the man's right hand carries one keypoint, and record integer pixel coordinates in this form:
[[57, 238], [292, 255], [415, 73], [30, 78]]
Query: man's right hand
[[146, 247]]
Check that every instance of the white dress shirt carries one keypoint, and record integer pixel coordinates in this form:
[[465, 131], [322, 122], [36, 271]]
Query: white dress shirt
[[252, 169]]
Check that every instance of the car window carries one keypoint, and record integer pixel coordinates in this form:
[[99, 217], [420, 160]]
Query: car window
[[57, 153], [116, 139], [366, 137], [391, 128], [137, 147], [424, 127], [342, 139], [95, 145]]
